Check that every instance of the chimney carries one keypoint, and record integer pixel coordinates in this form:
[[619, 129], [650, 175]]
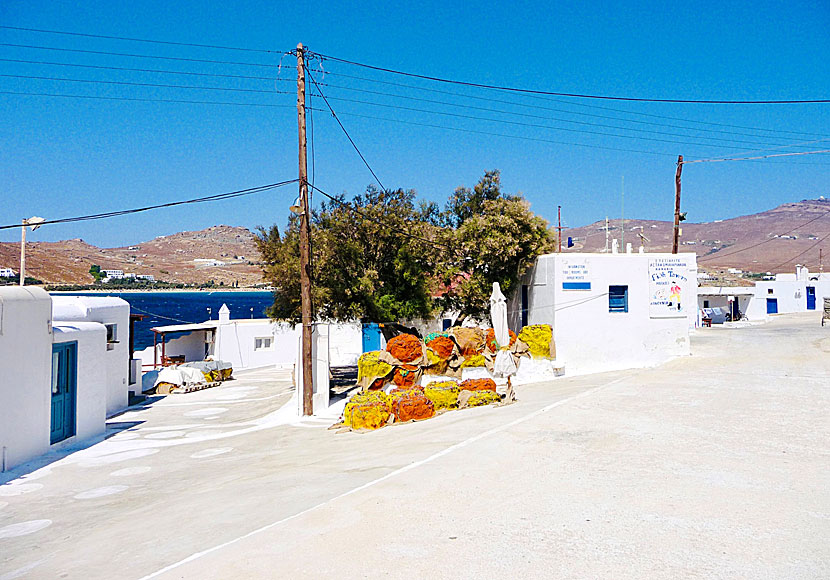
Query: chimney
[[224, 314]]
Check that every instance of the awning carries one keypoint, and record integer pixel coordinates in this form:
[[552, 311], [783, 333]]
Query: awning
[[185, 327]]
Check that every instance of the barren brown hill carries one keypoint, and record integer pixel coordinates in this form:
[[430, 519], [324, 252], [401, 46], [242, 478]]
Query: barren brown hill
[[220, 253], [771, 241]]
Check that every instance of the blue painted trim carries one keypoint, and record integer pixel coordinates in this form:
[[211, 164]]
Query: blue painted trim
[[576, 285]]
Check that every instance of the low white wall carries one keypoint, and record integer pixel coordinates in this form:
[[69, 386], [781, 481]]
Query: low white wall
[[93, 392], [588, 337], [25, 372]]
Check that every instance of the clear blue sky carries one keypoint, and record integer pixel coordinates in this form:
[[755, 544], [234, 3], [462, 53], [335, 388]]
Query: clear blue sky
[[63, 157]]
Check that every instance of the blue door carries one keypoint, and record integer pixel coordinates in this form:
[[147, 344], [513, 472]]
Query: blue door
[[64, 384], [371, 336], [772, 305], [811, 297]]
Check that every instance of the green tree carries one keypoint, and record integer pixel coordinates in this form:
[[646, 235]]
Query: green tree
[[496, 239], [379, 257], [95, 270], [366, 262]]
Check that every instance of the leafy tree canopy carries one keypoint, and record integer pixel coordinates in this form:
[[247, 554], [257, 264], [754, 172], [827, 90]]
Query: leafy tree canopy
[[379, 257], [366, 261]]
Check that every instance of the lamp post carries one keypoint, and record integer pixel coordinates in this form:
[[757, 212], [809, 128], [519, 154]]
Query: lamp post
[[34, 223]]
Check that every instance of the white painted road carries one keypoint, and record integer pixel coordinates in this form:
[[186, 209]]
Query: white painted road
[[711, 466]]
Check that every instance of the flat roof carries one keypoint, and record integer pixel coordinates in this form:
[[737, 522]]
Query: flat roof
[[210, 325]]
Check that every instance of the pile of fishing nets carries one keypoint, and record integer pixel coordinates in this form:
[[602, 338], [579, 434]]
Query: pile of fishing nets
[[539, 340], [367, 410], [492, 345], [411, 404]]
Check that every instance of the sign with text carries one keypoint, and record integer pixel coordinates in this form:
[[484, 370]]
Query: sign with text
[[575, 275], [667, 276]]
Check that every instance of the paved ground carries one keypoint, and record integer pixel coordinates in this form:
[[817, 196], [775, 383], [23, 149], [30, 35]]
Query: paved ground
[[714, 466]]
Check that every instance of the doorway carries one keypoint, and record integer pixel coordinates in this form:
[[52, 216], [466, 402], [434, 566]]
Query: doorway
[[64, 387], [772, 305], [811, 297]]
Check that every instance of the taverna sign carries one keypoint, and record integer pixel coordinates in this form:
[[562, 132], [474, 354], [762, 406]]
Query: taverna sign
[[667, 277]]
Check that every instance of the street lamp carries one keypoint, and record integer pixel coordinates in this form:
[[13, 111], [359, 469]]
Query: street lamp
[[34, 223]]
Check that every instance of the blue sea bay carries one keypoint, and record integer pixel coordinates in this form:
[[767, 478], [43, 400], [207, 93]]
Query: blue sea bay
[[165, 308]]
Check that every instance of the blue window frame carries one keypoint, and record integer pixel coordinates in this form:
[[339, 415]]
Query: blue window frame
[[618, 299]]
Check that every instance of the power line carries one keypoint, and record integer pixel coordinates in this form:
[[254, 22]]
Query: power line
[[349, 137], [207, 198], [144, 70], [575, 95], [528, 115], [800, 254], [364, 215], [133, 55], [135, 84], [585, 105], [183, 101], [131, 39], [538, 125], [758, 157], [718, 255]]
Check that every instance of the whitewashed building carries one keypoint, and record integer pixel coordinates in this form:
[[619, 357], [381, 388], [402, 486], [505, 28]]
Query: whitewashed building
[[113, 274], [610, 311], [7, 273], [113, 314], [246, 343], [787, 293], [60, 379]]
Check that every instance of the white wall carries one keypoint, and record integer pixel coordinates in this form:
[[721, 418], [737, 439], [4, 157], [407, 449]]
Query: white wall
[[236, 340], [235, 343], [116, 362], [588, 337], [93, 392], [25, 372]]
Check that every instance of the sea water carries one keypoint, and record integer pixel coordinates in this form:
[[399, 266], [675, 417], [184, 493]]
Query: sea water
[[165, 308]]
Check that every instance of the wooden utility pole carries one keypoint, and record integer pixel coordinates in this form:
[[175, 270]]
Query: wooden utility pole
[[676, 233], [23, 254], [559, 229], [305, 244]]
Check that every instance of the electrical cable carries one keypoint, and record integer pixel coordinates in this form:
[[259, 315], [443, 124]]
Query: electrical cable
[[538, 125], [131, 39], [349, 137], [153, 314], [184, 101], [584, 105], [544, 117], [801, 253], [144, 70], [754, 158], [574, 95], [204, 199], [363, 214], [133, 55], [134, 84], [717, 255]]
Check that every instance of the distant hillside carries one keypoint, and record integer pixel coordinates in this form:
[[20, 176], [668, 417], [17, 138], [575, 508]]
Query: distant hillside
[[170, 258], [774, 240]]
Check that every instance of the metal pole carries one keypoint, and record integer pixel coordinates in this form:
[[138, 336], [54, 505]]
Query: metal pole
[[622, 213], [305, 236], [559, 227], [676, 233], [23, 254]]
